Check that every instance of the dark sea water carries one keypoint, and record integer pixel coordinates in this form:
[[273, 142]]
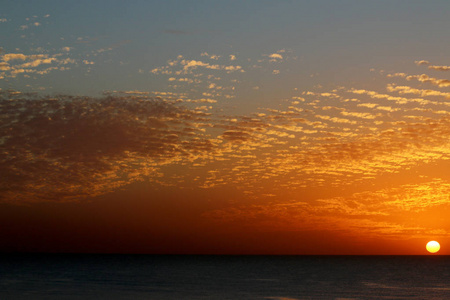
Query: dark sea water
[[223, 277]]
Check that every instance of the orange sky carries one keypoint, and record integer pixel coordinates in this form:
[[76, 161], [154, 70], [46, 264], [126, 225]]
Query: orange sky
[[224, 146]]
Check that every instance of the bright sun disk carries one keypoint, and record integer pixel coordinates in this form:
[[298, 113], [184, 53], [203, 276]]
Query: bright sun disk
[[433, 246]]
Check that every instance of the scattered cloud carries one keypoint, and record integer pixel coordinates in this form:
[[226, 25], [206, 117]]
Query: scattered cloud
[[13, 64], [421, 92], [316, 139], [432, 67], [434, 81], [85, 146]]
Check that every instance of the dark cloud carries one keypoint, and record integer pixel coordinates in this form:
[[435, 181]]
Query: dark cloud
[[236, 136], [71, 146]]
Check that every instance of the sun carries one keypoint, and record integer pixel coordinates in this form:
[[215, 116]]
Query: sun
[[433, 246]]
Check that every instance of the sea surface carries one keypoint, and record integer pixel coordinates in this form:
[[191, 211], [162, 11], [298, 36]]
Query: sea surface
[[83, 276]]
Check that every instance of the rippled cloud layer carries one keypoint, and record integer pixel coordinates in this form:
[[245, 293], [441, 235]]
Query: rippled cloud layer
[[67, 148]]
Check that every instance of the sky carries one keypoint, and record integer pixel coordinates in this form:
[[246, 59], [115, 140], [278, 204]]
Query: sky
[[224, 127]]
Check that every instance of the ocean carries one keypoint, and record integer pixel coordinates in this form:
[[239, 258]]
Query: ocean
[[95, 276]]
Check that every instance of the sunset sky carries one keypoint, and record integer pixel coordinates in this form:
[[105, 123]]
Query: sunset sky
[[225, 127]]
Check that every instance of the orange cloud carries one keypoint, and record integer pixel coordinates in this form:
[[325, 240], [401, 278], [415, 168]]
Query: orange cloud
[[439, 68], [422, 62]]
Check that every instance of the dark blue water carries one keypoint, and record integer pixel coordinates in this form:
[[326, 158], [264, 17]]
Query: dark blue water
[[223, 277]]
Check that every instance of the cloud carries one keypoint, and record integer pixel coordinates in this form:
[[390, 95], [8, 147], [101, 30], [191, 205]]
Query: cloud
[[187, 75], [276, 56], [361, 115], [87, 146], [432, 67], [314, 139], [14, 64], [193, 64], [422, 62], [427, 79], [423, 78], [212, 56], [421, 92], [396, 99], [372, 213], [19, 56], [236, 136], [439, 68]]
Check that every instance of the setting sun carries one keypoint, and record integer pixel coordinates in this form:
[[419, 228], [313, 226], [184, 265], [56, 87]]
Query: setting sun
[[433, 246]]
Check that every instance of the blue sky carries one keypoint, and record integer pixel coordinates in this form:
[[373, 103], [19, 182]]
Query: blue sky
[[332, 39]]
